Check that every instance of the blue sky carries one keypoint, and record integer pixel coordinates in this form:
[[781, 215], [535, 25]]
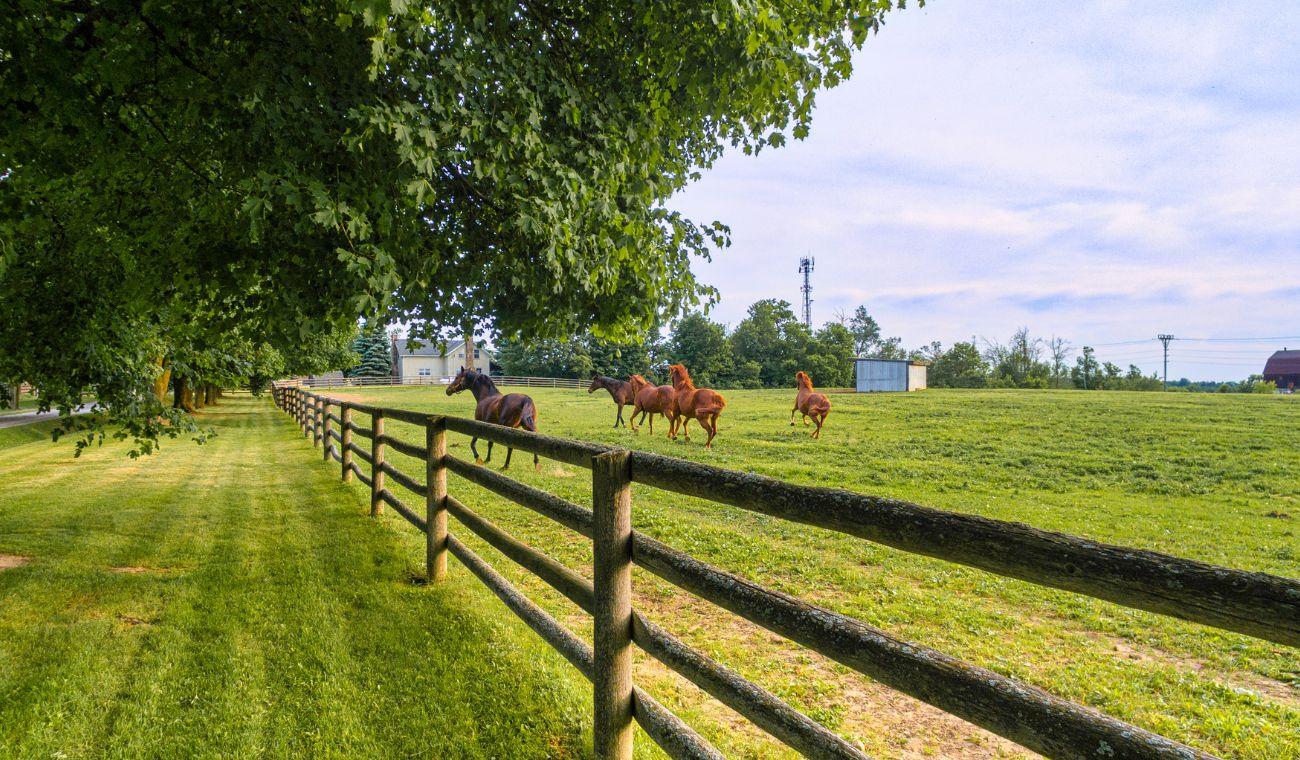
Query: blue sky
[[1101, 171]]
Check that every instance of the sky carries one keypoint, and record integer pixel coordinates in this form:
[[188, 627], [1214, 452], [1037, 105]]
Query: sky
[[1100, 171]]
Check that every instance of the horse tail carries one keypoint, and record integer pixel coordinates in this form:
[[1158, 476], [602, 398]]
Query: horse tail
[[528, 418]]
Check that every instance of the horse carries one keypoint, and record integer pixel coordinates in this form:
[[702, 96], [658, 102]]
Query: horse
[[703, 404], [810, 403], [623, 393], [651, 400], [511, 410]]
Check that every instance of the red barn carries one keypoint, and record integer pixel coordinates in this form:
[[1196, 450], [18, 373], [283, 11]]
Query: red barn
[[1283, 368]]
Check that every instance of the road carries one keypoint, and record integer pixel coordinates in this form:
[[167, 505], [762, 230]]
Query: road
[[26, 418]]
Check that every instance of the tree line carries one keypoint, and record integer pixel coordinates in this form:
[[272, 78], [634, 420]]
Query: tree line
[[770, 344]]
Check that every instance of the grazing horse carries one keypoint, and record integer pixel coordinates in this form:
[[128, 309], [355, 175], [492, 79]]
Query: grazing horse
[[703, 404], [651, 400], [511, 410], [810, 403], [623, 393]]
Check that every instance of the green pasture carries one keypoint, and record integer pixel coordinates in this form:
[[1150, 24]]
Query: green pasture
[[1214, 478], [233, 600]]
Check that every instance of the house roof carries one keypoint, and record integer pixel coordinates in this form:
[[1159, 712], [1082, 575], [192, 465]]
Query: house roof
[[1283, 363], [432, 348]]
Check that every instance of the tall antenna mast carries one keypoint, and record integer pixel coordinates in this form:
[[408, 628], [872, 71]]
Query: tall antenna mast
[[805, 268]]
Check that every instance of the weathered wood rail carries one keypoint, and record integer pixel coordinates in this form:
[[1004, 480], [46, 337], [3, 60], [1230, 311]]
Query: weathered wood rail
[[1257, 604]]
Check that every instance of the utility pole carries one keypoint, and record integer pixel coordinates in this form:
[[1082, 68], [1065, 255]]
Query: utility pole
[[805, 268], [1165, 340]]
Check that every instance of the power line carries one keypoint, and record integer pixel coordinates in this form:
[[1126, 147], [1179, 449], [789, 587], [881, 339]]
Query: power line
[[1164, 340]]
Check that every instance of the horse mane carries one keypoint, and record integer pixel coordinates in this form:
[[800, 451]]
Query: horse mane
[[803, 379], [686, 375], [482, 379]]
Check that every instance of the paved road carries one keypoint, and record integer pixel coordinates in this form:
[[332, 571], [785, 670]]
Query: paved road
[[26, 418]]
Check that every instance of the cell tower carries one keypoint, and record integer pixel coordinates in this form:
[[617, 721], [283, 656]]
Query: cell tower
[[805, 268]]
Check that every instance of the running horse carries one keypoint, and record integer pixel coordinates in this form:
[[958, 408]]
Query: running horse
[[689, 402], [511, 410], [810, 404], [623, 392], [651, 400]]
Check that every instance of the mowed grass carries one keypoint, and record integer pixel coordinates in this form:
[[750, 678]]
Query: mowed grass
[[1210, 477], [232, 600]]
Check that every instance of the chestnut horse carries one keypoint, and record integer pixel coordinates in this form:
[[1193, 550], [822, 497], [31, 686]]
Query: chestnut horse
[[810, 403], [703, 404], [622, 392], [651, 400], [511, 410]]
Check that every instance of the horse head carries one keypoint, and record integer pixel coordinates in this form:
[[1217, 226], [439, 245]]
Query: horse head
[[461, 381], [638, 382], [679, 375], [597, 382], [803, 379]]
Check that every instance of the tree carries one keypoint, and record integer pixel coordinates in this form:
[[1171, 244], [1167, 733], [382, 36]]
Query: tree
[[831, 361], [1086, 372], [375, 350], [772, 340], [961, 366], [176, 167], [567, 357], [865, 330], [701, 344]]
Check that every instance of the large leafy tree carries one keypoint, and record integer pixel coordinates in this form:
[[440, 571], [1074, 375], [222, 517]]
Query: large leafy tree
[[193, 167]]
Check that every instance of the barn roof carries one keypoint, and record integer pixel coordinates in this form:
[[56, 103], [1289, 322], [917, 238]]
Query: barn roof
[[1283, 363], [427, 348]]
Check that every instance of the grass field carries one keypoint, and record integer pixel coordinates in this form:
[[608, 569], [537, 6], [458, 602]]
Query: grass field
[[268, 615], [1214, 478], [231, 601]]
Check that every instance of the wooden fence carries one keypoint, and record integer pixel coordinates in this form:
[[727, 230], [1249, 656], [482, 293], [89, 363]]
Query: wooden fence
[[1257, 604]]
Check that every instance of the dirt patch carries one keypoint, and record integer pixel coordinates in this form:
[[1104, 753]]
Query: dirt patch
[[1239, 680], [134, 621], [1278, 515], [10, 561], [559, 472], [136, 569]]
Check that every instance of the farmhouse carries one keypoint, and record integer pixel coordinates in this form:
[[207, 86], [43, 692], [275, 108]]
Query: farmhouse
[[1283, 368], [430, 360], [879, 375]]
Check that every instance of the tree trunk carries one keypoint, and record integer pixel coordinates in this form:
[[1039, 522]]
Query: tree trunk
[[161, 381], [182, 394], [210, 394], [469, 349]]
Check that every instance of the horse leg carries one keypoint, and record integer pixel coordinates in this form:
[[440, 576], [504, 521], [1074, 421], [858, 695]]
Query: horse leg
[[509, 451], [489, 456], [686, 433], [474, 448], [711, 427], [529, 423], [805, 420], [618, 418], [792, 411]]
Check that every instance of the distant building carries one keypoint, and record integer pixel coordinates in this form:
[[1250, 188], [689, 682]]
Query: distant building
[[881, 375], [430, 361], [1283, 368]]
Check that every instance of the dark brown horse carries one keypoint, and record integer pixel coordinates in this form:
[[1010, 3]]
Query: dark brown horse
[[703, 404], [810, 404], [621, 391], [651, 400], [511, 410]]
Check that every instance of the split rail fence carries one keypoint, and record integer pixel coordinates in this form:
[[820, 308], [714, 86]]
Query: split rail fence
[[1257, 604]]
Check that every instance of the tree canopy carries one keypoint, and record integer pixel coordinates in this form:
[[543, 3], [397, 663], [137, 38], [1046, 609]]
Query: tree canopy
[[177, 172]]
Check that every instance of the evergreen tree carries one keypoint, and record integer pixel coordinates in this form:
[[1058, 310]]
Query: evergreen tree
[[376, 352]]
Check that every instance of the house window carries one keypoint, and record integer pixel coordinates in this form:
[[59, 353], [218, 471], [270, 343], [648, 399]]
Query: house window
[[426, 372], [476, 353]]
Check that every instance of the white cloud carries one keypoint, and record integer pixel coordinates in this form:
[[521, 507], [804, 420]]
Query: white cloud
[[1100, 170]]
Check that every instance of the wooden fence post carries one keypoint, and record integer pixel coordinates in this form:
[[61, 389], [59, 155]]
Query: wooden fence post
[[317, 421], [345, 433], [325, 429], [612, 614], [435, 442], [377, 463]]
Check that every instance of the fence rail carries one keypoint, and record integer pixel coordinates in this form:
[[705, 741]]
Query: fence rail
[[1256, 604]]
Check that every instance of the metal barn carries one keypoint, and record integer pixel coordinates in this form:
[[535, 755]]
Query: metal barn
[[884, 375]]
